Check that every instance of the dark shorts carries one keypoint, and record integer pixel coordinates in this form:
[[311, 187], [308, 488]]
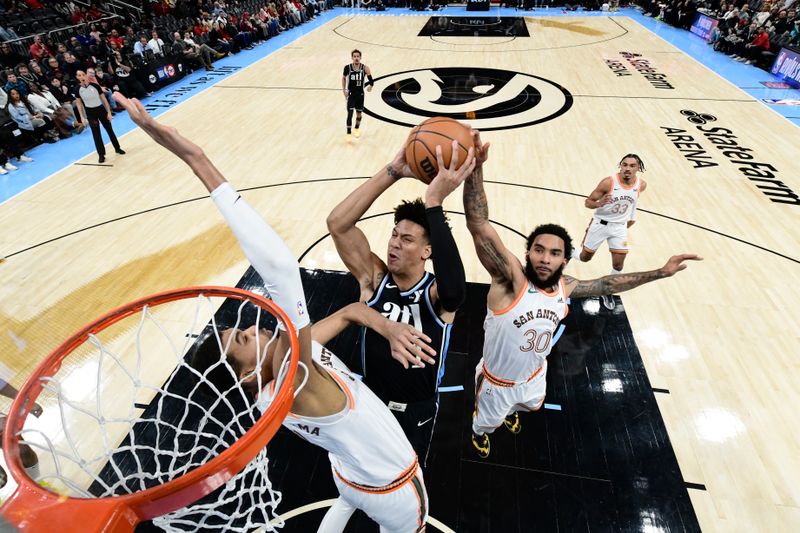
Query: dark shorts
[[418, 420], [355, 101]]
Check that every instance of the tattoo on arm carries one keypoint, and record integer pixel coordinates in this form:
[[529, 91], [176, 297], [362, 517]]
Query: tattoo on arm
[[475, 204], [496, 262], [392, 172], [611, 284]]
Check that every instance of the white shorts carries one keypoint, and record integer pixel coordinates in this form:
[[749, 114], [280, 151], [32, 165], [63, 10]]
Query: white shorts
[[616, 233], [495, 401], [403, 509]]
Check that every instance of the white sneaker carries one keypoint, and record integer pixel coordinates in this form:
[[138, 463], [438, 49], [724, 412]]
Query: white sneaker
[[25, 159], [3, 171], [9, 166], [608, 301]]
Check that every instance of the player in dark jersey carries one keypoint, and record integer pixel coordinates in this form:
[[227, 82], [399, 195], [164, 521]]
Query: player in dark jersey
[[353, 79], [401, 289]]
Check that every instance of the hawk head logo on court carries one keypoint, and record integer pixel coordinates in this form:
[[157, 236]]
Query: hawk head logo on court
[[490, 99]]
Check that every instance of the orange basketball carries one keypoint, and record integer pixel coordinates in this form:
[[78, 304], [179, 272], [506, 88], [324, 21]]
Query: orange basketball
[[422, 142]]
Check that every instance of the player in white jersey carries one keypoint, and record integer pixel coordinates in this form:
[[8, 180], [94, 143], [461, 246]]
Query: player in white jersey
[[370, 454], [614, 201], [526, 305]]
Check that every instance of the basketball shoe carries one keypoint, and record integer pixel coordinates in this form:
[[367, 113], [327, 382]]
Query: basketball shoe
[[481, 444], [349, 138], [512, 423], [357, 133]]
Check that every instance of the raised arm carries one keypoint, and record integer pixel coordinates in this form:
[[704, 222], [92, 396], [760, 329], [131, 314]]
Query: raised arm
[[600, 196], [450, 287], [616, 283], [492, 253], [262, 246], [408, 346], [350, 241]]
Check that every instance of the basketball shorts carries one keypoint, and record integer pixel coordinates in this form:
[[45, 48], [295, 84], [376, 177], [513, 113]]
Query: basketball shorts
[[400, 509], [496, 399], [616, 233], [355, 101]]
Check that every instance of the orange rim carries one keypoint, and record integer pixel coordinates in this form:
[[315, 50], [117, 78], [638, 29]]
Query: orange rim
[[33, 507]]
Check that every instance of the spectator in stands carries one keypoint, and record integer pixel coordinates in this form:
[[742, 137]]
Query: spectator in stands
[[14, 83], [37, 71], [782, 23], [95, 110], [762, 16], [140, 46], [8, 57], [206, 52], [85, 38], [38, 49], [70, 65], [8, 34], [53, 68], [61, 49], [124, 79], [115, 38], [26, 75], [50, 107], [32, 125], [94, 33], [218, 41], [156, 44], [10, 140], [757, 46]]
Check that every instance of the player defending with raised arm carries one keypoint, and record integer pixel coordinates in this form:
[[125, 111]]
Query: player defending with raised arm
[[525, 306], [614, 201], [374, 466], [353, 89], [403, 291]]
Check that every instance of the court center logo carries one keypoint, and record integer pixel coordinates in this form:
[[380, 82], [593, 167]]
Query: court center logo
[[490, 99]]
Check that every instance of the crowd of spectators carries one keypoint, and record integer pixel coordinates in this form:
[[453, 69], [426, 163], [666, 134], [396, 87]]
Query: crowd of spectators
[[749, 32], [38, 82]]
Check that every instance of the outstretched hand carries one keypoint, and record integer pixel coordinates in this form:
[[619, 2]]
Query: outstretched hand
[[166, 136], [408, 345], [676, 263], [449, 178], [481, 149]]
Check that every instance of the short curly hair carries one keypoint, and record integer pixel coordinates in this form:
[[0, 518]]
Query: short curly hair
[[551, 229]]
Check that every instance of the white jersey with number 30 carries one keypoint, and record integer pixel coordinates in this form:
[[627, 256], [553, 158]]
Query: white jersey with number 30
[[623, 201], [519, 338]]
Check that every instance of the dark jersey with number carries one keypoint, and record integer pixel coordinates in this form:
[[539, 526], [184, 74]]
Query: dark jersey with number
[[384, 375], [355, 78]]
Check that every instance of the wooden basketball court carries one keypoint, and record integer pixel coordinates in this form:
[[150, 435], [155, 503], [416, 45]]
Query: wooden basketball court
[[722, 172]]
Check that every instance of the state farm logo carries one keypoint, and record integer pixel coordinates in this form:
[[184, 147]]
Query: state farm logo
[[490, 99]]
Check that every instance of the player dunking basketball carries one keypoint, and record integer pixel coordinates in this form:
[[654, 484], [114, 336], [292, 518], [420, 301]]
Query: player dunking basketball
[[374, 466], [525, 306], [403, 291], [614, 201], [353, 83]]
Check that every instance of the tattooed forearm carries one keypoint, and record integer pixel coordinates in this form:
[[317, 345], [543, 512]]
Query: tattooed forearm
[[394, 174], [611, 284], [493, 259], [475, 205]]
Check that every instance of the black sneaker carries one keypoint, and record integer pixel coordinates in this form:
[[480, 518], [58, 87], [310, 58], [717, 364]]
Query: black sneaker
[[120, 151], [102, 159]]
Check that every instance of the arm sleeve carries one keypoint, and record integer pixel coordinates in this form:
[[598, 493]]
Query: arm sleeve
[[266, 251], [450, 278]]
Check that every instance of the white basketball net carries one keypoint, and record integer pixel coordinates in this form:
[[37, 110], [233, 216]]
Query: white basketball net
[[124, 414]]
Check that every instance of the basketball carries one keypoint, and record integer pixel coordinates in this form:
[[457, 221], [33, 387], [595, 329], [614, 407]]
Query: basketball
[[422, 142]]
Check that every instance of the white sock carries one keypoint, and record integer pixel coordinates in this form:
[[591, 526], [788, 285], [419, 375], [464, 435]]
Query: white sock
[[615, 271]]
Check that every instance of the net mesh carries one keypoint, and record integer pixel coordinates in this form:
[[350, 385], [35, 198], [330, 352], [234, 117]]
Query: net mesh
[[128, 411]]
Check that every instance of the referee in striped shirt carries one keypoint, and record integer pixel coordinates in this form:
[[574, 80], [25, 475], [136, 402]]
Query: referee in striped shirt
[[94, 109]]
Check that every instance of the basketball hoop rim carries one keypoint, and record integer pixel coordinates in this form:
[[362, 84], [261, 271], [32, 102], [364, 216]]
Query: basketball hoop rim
[[190, 487]]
